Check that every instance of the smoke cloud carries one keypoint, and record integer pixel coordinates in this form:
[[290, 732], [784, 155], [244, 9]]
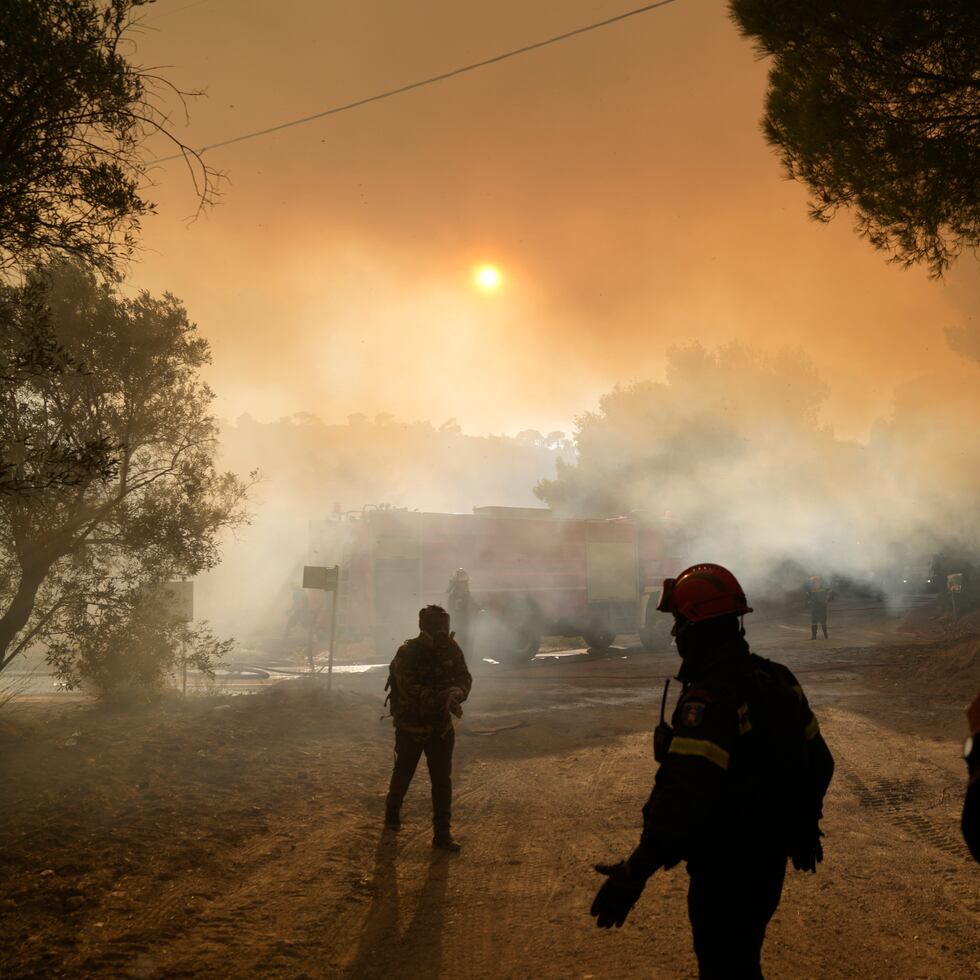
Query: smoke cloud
[[819, 403], [730, 452], [312, 470], [620, 182]]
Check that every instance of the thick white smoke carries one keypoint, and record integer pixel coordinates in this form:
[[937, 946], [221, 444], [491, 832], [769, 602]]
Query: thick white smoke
[[731, 448]]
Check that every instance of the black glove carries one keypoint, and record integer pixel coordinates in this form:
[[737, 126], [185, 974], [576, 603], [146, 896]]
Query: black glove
[[618, 894], [807, 851], [453, 698]]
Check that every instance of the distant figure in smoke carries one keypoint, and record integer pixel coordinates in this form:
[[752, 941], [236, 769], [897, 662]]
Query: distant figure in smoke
[[428, 681], [742, 777], [463, 608], [818, 597]]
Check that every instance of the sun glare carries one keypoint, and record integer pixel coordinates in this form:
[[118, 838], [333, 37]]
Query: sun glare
[[487, 277]]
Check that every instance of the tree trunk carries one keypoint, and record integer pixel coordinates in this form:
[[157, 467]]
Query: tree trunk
[[21, 606]]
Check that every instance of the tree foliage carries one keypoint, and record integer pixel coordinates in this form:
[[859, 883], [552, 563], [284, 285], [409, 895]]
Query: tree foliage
[[31, 359], [126, 648], [875, 106], [86, 553], [74, 114], [717, 412], [727, 456]]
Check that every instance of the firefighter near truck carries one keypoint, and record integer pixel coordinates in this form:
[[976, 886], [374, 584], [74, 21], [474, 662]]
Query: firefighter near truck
[[532, 574]]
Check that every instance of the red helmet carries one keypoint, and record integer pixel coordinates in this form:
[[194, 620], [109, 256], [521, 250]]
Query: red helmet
[[703, 592]]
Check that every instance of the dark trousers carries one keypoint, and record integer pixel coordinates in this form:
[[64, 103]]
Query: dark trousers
[[730, 905], [818, 617], [439, 758]]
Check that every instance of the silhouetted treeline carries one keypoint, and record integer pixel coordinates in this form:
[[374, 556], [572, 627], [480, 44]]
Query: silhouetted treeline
[[731, 449], [318, 468]]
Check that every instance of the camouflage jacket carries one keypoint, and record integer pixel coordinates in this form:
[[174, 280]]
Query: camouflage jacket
[[421, 677], [746, 768], [818, 599]]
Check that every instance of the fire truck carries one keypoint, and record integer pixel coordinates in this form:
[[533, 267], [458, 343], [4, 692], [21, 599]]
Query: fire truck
[[533, 574]]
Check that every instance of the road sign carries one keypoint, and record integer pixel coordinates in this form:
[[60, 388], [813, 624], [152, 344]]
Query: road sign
[[954, 582], [320, 577]]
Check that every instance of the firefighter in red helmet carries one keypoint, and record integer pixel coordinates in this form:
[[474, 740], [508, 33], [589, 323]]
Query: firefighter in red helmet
[[740, 787]]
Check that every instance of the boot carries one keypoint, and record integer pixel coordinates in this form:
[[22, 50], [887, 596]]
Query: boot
[[444, 841], [393, 817]]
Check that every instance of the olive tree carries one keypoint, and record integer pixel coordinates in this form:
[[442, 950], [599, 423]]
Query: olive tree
[[29, 354], [79, 557], [75, 113]]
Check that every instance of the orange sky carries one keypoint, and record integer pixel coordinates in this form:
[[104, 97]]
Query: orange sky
[[619, 180]]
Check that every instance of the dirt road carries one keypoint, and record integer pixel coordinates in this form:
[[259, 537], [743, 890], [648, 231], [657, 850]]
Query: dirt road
[[240, 838]]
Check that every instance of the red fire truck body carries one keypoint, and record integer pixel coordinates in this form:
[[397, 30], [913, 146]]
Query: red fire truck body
[[537, 574]]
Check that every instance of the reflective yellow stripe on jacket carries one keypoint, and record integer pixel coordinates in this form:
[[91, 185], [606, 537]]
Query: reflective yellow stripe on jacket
[[744, 721], [698, 746]]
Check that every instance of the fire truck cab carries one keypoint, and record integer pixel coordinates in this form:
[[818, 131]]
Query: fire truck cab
[[533, 574]]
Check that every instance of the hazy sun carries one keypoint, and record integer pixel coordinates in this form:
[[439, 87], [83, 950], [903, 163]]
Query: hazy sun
[[487, 277]]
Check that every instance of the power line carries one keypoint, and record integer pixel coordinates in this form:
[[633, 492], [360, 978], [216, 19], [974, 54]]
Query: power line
[[426, 81]]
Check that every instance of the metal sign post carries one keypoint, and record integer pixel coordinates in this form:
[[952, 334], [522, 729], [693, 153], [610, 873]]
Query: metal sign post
[[325, 579], [313, 619], [333, 637]]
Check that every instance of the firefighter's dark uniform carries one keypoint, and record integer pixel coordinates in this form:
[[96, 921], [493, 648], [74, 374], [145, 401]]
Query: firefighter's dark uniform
[[971, 804], [740, 789], [421, 676], [818, 599], [462, 609]]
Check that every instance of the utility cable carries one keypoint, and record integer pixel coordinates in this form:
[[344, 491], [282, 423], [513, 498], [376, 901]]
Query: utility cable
[[426, 81]]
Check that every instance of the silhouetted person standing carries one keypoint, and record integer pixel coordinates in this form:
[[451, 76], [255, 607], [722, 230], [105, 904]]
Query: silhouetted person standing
[[463, 608], [428, 682], [818, 598], [742, 777]]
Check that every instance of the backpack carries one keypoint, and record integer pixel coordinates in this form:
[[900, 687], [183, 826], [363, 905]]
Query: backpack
[[391, 686], [391, 699]]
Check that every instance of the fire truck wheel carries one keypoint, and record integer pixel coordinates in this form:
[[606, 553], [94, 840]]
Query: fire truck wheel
[[649, 638], [523, 645], [655, 634], [521, 637], [598, 637]]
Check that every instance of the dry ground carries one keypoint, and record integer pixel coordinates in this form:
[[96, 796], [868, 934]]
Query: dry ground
[[240, 837]]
